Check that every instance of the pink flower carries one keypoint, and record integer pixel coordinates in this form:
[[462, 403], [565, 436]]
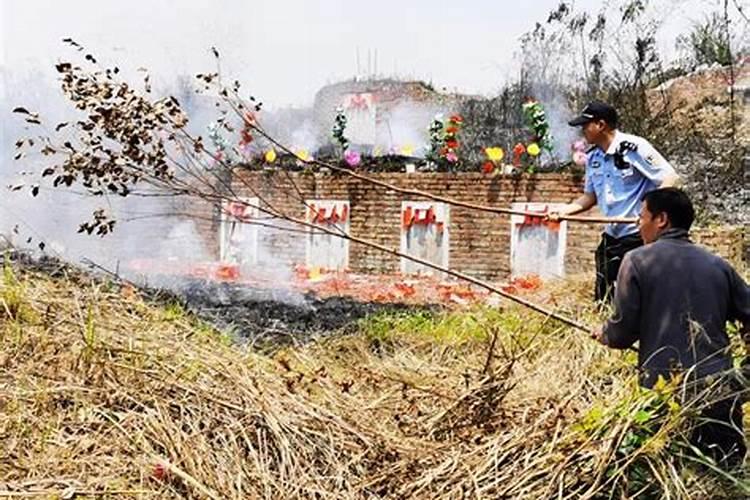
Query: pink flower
[[451, 157], [352, 158], [579, 145], [579, 158]]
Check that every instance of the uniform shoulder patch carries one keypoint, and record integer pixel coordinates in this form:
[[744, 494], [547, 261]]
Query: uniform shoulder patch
[[627, 146]]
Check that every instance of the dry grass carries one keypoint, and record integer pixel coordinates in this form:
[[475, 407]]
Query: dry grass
[[105, 394]]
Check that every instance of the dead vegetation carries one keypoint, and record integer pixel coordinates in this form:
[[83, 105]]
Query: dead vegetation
[[103, 393]]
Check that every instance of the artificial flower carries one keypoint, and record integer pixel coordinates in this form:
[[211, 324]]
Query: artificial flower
[[579, 145], [495, 154], [352, 158], [579, 158], [407, 150]]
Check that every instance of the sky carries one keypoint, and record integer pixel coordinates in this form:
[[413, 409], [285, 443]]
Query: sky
[[285, 50]]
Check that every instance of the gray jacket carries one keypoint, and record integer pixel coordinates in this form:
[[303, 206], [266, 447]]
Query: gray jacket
[[675, 298]]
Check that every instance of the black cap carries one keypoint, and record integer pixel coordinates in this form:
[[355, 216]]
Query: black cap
[[595, 110]]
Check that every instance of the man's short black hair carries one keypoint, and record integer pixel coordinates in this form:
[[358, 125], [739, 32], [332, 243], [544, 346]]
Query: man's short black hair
[[673, 202]]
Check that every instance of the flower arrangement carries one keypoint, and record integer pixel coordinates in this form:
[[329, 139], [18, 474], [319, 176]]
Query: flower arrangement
[[339, 129], [536, 119], [444, 142]]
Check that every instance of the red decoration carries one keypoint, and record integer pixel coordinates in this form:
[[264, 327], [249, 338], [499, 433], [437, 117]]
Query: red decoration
[[406, 218], [488, 167]]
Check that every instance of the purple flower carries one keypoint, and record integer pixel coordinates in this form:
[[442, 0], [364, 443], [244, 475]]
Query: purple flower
[[352, 158]]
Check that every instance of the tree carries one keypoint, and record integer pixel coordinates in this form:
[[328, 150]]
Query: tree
[[709, 42]]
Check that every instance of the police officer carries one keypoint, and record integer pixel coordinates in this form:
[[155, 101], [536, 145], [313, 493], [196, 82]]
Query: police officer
[[620, 169]]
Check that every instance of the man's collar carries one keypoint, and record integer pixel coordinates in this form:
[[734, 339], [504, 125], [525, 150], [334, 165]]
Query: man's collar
[[674, 233], [616, 140]]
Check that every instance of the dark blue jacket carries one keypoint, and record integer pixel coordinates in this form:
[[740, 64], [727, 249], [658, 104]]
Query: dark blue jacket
[[674, 298]]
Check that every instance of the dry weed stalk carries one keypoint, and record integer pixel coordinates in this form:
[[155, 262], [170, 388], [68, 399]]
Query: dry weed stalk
[[103, 393]]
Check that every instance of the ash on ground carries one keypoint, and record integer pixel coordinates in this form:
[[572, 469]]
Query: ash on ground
[[268, 319]]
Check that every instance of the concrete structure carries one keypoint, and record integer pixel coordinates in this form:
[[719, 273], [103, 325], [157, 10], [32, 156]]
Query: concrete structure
[[475, 242]]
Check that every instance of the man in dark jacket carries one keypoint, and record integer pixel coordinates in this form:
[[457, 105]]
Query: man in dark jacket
[[675, 299]]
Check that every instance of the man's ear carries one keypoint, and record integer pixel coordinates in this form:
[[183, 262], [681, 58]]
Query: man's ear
[[662, 221]]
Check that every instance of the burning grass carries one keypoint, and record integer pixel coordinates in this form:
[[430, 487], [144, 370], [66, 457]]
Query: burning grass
[[103, 392]]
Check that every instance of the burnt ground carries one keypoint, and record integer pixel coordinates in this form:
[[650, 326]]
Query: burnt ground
[[269, 319], [265, 319]]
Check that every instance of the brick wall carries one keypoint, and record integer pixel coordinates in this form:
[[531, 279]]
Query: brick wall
[[479, 241]]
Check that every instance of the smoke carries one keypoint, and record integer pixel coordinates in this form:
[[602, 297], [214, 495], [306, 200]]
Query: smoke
[[558, 114], [404, 128]]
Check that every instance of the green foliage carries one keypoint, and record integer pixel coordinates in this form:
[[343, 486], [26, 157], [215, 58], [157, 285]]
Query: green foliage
[[174, 312], [707, 43], [339, 130], [13, 303]]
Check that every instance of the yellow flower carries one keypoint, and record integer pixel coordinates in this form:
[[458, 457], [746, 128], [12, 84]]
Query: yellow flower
[[533, 149], [270, 156], [407, 150], [495, 154], [302, 154]]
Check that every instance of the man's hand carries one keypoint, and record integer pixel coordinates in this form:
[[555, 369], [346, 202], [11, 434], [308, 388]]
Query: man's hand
[[583, 203]]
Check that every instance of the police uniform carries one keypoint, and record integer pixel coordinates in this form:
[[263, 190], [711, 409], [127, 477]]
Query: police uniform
[[619, 177]]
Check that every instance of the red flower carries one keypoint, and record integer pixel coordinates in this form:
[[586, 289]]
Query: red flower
[[247, 137], [519, 149], [451, 130], [456, 119], [451, 144], [488, 167]]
